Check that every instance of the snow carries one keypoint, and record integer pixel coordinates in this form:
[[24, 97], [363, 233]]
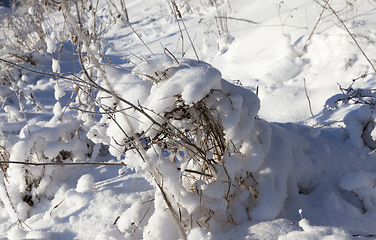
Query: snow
[[51, 46], [59, 92], [268, 168], [31, 11], [55, 66]]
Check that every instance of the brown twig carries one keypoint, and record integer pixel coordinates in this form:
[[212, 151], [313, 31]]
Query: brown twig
[[178, 14], [172, 55], [57, 206], [143, 217], [62, 163], [237, 19], [309, 101], [313, 30]]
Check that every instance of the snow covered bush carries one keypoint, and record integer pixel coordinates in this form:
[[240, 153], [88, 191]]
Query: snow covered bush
[[360, 118], [32, 42], [202, 138], [360, 124], [25, 28], [45, 142], [209, 154]]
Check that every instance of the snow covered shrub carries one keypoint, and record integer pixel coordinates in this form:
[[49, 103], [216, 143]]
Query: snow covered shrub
[[36, 32], [45, 142], [26, 28], [360, 121], [61, 139], [200, 133], [26, 37]]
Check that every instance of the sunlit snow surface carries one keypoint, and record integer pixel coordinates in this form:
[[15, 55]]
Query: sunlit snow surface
[[320, 166]]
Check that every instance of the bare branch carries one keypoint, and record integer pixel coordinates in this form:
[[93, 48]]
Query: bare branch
[[62, 163], [309, 101]]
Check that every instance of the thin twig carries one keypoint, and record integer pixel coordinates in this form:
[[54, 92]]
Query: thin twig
[[314, 28], [129, 60], [237, 19], [181, 32], [143, 217], [171, 55], [62, 163], [177, 12], [309, 101], [74, 79], [107, 112], [20, 221], [57, 205], [139, 37], [366, 236], [197, 172], [31, 70]]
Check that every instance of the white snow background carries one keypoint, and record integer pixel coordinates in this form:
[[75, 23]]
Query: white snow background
[[269, 72]]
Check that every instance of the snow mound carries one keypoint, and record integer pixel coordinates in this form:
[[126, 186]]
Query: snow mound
[[315, 232]]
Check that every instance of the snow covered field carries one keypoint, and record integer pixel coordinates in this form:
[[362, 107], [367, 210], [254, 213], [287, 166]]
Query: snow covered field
[[244, 119]]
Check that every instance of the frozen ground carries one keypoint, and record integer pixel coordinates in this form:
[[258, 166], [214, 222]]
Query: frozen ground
[[315, 178]]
